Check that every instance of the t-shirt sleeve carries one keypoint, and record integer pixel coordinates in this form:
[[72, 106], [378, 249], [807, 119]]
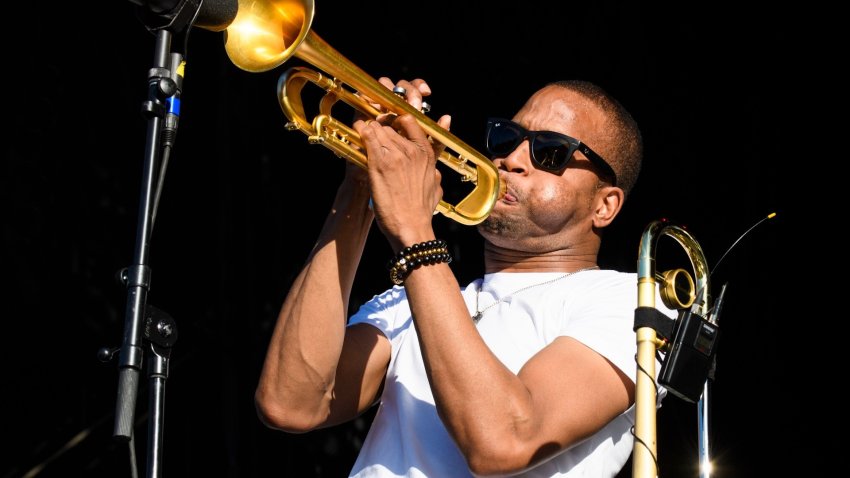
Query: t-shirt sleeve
[[379, 311], [602, 318], [611, 336]]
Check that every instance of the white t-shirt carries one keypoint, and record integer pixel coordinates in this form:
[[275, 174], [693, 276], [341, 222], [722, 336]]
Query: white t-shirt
[[596, 307]]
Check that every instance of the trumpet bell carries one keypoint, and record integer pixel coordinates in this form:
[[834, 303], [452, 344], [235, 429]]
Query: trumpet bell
[[264, 34]]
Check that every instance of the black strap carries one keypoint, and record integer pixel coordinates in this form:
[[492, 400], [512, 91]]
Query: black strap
[[651, 317]]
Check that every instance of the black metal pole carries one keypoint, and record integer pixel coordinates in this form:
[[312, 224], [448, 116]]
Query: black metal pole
[[145, 327], [138, 276]]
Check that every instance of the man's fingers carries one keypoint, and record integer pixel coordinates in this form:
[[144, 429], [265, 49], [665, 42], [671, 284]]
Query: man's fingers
[[411, 129]]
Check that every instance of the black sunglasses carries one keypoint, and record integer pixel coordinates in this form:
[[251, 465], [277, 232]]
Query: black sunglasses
[[550, 151]]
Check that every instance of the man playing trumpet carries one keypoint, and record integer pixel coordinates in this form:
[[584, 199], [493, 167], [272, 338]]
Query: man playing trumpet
[[528, 370]]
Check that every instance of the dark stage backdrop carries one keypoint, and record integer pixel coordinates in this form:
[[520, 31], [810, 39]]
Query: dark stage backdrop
[[243, 200]]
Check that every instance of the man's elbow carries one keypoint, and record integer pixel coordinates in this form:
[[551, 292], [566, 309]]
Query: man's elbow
[[489, 459], [274, 414], [495, 458]]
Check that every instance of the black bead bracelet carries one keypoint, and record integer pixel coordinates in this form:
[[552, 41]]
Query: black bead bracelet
[[410, 258]]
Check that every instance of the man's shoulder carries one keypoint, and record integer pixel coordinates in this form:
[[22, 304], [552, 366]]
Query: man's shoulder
[[612, 278]]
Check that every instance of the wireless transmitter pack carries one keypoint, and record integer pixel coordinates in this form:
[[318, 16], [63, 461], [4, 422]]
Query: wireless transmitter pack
[[691, 357], [690, 360]]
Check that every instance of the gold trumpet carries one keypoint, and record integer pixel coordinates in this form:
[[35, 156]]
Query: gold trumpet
[[265, 33], [678, 291]]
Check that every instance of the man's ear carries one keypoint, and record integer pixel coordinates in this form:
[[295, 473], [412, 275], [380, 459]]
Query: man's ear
[[608, 202]]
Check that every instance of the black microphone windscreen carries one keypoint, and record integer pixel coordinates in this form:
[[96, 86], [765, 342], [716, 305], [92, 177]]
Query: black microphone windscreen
[[216, 15]]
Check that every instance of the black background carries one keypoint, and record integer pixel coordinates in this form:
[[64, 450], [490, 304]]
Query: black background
[[244, 198]]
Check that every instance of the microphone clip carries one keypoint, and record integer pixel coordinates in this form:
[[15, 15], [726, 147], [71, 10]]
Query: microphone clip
[[177, 20]]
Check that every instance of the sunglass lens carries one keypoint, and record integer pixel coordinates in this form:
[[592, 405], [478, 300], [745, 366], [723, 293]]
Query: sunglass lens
[[550, 152], [503, 138]]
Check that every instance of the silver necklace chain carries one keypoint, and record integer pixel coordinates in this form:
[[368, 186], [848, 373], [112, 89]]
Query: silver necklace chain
[[480, 313]]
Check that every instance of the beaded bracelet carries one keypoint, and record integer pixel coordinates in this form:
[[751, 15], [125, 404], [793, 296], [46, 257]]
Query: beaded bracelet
[[423, 253]]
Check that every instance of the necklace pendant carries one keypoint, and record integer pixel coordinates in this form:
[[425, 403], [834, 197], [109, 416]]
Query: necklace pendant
[[476, 317]]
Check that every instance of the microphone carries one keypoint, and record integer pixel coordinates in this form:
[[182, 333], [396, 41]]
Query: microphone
[[213, 15]]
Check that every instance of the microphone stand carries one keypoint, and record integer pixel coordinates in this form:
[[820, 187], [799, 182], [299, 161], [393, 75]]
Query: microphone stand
[[147, 329]]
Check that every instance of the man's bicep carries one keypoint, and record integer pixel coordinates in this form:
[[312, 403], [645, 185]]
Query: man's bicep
[[575, 390], [361, 372]]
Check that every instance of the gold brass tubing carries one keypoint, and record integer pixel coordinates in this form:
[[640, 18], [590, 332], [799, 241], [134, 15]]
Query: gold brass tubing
[[266, 33], [644, 463]]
